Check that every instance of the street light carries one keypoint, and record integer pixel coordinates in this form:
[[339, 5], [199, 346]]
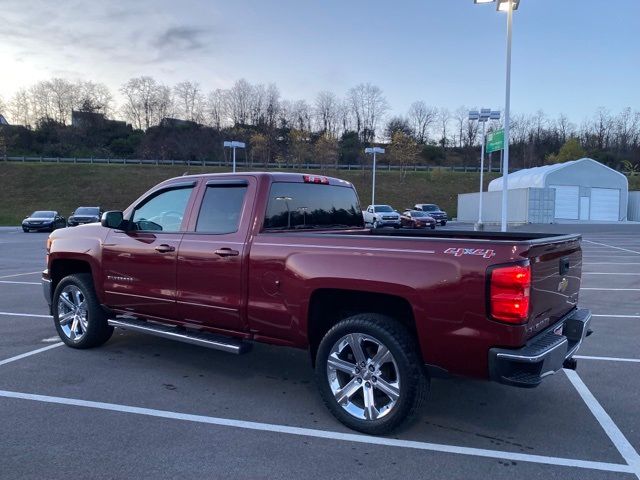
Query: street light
[[506, 6], [286, 201], [234, 145], [374, 151], [483, 116]]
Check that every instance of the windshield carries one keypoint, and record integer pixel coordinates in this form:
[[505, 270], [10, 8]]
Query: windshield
[[383, 208], [308, 206], [418, 214], [87, 211], [43, 214], [430, 208]]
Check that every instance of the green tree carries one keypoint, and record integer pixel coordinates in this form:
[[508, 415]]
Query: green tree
[[571, 150], [326, 151], [403, 151], [259, 148]]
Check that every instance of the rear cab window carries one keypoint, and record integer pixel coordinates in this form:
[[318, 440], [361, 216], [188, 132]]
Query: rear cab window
[[306, 206]]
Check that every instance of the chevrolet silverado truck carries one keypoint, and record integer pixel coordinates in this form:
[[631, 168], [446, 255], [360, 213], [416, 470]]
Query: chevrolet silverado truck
[[225, 260]]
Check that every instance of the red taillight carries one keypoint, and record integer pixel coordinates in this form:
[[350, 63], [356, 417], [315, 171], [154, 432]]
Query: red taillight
[[315, 179], [509, 293]]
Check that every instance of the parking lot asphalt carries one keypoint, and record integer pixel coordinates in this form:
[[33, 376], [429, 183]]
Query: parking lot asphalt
[[144, 407]]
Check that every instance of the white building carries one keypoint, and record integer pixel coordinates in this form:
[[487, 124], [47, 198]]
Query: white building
[[580, 190]]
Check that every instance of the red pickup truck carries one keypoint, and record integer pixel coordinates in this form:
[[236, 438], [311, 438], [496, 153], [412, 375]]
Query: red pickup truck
[[224, 260]]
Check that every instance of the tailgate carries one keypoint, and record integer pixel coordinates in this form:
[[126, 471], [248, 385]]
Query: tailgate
[[556, 270]]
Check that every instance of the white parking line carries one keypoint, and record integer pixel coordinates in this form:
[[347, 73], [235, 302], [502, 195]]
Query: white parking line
[[325, 434], [586, 264], [612, 246], [13, 314], [609, 359], [28, 354], [20, 283], [612, 289], [611, 273], [19, 274], [615, 316], [611, 429]]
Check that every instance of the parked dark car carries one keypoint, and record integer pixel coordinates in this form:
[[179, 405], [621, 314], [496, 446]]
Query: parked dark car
[[417, 219], [43, 220], [85, 215], [434, 211]]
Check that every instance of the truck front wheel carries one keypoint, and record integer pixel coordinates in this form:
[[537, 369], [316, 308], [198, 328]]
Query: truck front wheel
[[369, 373], [77, 314]]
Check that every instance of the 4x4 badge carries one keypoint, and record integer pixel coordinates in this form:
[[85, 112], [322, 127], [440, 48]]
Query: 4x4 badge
[[480, 252]]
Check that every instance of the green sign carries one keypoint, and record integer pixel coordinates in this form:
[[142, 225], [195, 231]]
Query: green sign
[[495, 141]]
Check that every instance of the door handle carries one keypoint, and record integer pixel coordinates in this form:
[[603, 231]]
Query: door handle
[[164, 248], [226, 252]]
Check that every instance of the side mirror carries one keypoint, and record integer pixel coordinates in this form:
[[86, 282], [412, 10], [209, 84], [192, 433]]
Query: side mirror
[[112, 219]]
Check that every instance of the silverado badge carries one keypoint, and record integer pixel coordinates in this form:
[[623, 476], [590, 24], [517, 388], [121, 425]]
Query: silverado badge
[[562, 286]]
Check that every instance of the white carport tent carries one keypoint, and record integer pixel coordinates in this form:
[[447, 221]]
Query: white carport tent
[[584, 189]]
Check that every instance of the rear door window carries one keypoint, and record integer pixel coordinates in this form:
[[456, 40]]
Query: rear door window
[[221, 208]]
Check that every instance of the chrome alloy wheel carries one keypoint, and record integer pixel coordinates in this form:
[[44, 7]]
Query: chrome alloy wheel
[[72, 312], [363, 376]]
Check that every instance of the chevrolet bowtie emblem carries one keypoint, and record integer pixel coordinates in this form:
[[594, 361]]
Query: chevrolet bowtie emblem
[[562, 286]]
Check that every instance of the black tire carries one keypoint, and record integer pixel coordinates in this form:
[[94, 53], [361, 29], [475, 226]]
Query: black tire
[[396, 226], [433, 227], [25, 230], [97, 330], [411, 375], [443, 223], [375, 224]]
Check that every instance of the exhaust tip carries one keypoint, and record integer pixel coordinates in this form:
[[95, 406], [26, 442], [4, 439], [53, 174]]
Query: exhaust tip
[[570, 363]]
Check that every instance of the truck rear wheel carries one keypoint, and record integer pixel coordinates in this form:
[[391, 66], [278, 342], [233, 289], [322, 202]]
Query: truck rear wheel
[[77, 314], [369, 373]]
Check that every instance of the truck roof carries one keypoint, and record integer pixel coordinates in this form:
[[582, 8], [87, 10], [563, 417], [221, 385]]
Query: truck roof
[[273, 176]]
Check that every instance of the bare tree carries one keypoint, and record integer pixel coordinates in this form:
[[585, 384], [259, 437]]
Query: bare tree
[[272, 105], [189, 101], [94, 97], [368, 106], [326, 112], [238, 102], [20, 108], [461, 117], [565, 128], [215, 108], [626, 126], [3, 106], [444, 116], [301, 115], [146, 102], [258, 99], [421, 118]]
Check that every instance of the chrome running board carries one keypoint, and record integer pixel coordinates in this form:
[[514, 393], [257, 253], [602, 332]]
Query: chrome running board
[[217, 342]]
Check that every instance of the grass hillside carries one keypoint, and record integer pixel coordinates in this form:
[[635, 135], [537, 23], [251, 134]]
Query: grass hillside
[[29, 187]]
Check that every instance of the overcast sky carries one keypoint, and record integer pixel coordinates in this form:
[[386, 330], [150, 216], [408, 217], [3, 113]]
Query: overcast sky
[[570, 56]]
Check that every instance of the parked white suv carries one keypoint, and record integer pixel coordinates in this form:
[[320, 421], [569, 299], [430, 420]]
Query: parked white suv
[[381, 216]]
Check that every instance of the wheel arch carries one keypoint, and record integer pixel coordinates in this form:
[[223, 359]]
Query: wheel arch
[[327, 306]]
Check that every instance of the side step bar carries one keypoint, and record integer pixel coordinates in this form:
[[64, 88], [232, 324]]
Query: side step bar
[[229, 345]]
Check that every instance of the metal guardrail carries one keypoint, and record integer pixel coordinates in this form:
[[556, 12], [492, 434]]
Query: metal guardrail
[[213, 163]]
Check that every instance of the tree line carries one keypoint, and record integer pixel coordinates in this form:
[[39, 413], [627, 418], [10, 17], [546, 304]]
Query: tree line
[[326, 129]]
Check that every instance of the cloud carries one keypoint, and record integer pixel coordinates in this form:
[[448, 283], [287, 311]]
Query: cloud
[[181, 39]]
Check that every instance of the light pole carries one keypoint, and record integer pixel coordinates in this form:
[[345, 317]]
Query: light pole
[[374, 151], [483, 116], [286, 201], [508, 6], [233, 145]]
